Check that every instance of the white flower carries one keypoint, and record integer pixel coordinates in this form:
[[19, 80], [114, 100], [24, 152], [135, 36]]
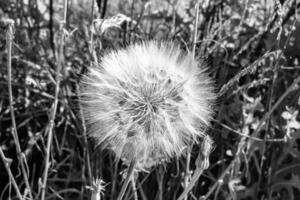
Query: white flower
[[147, 102]]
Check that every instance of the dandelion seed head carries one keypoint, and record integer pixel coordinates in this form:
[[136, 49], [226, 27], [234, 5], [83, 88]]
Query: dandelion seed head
[[147, 102]]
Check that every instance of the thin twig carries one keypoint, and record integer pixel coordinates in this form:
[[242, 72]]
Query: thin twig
[[51, 123], [10, 175], [130, 173], [21, 158], [250, 136]]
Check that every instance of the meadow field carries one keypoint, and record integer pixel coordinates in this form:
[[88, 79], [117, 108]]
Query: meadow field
[[250, 146]]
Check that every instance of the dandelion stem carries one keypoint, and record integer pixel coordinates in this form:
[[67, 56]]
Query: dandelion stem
[[127, 180], [52, 117], [21, 157]]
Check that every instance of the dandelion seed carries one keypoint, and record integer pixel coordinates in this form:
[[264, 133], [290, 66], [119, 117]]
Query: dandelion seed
[[147, 102]]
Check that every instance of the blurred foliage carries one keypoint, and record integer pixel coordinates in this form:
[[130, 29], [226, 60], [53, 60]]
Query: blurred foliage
[[255, 44]]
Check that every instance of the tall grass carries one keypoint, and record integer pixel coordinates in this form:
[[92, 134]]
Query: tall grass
[[250, 49]]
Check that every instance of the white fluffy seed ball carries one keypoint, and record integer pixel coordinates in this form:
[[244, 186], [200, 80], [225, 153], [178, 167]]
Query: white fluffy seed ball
[[147, 102]]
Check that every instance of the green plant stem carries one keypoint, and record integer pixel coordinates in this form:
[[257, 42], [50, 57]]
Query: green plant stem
[[52, 117], [10, 175], [22, 160], [127, 180]]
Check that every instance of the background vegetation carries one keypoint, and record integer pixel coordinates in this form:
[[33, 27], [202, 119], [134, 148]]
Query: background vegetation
[[252, 49]]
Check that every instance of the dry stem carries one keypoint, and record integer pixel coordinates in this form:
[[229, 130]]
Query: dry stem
[[21, 158], [51, 123], [10, 175]]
